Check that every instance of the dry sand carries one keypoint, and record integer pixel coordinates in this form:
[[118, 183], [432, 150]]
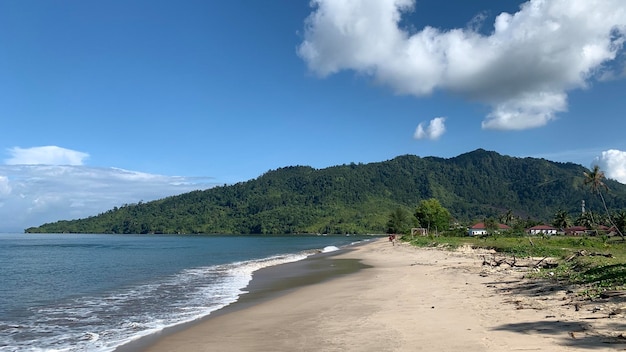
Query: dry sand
[[413, 299]]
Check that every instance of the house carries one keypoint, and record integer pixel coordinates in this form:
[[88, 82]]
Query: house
[[481, 229], [612, 231], [542, 230], [604, 229], [576, 230], [600, 230]]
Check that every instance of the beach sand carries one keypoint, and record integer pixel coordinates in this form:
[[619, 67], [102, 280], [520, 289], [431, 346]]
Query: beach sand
[[411, 299]]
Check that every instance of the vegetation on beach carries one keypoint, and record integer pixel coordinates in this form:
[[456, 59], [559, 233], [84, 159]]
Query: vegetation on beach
[[593, 263], [590, 264]]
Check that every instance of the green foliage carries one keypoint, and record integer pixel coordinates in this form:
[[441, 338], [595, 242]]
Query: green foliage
[[619, 219], [595, 180], [399, 221], [432, 216], [587, 219], [358, 198], [491, 225], [600, 268], [562, 219]]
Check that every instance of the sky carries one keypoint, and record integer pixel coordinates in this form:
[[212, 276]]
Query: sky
[[115, 102]]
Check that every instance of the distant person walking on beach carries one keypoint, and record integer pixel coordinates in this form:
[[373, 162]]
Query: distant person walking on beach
[[392, 239]]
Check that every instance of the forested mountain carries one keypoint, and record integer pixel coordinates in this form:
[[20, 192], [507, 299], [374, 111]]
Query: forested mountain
[[358, 198]]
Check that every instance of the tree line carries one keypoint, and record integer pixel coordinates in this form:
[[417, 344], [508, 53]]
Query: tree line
[[430, 216], [358, 198]]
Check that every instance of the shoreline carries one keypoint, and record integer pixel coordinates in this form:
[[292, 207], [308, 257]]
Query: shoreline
[[266, 284], [407, 299]]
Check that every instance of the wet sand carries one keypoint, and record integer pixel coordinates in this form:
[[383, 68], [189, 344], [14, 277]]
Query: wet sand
[[406, 299]]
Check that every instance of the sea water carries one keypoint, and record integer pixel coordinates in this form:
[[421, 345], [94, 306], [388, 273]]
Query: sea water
[[78, 292]]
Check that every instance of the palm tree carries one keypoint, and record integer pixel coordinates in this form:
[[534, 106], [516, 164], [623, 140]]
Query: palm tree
[[595, 180], [491, 225], [562, 219], [620, 219], [587, 220], [398, 221], [507, 218]]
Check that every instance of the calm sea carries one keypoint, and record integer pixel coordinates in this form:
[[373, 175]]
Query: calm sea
[[68, 292]]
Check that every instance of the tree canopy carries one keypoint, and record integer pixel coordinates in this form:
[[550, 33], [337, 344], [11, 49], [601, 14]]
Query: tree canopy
[[358, 198], [432, 216]]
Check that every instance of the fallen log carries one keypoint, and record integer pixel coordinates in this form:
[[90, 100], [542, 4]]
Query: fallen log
[[584, 253], [495, 262]]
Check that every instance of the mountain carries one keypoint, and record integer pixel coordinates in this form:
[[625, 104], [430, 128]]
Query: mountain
[[357, 198]]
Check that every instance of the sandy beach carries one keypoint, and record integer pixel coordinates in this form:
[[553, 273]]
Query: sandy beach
[[412, 299]]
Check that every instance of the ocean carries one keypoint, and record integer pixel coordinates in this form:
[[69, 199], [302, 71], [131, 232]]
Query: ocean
[[79, 292]]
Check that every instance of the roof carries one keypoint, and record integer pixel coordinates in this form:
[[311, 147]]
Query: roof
[[542, 227], [481, 226], [576, 228]]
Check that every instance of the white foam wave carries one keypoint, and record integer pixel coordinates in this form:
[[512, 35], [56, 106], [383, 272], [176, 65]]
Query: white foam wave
[[102, 323], [328, 249], [120, 317]]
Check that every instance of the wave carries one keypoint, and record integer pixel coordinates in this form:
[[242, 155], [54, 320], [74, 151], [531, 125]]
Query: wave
[[103, 322]]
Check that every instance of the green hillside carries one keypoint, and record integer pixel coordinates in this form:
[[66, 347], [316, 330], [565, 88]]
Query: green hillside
[[358, 198]]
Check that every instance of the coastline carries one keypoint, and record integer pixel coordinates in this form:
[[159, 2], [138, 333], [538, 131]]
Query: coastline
[[407, 299], [268, 283]]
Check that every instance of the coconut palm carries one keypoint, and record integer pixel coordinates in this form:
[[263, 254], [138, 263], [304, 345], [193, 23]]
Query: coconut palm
[[587, 220], [595, 180], [491, 225], [507, 218], [619, 219], [398, 221], [562, 219]]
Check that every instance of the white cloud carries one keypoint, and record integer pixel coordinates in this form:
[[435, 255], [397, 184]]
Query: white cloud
[[31, 195], [523, 69], [613, 163], [433, 131], [47, 155], [532, 110], [5, 188]]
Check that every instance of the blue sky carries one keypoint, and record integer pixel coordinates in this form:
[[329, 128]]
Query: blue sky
[[112, 102]]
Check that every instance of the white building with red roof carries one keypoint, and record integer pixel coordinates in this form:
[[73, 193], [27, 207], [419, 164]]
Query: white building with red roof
[[481, 229], [542, 230]]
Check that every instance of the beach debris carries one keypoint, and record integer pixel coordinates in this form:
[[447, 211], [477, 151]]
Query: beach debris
[[494, 261], [513, 262], [543, 264], [613, 293], [584, 253], [615, 312]]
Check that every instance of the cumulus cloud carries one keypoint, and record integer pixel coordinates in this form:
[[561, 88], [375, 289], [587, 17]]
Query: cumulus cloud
[[523, 69], [613, 163], [46, 155], [433, 131], [31, 195]]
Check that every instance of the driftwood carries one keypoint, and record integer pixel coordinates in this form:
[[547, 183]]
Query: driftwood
[[584, 253], [613, 293], [494, 262], [497, 262]]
